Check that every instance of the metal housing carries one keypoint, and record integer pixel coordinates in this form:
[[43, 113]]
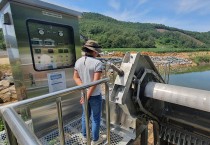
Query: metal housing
[[29, 82]]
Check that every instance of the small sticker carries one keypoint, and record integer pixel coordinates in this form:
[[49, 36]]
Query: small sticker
[[52, 14]]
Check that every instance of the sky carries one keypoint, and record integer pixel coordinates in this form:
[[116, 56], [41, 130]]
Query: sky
[[193, 15]]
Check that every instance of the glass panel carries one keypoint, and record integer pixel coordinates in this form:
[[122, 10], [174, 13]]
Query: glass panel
[[52, 45]]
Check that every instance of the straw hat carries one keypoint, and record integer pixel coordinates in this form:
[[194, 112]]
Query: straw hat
[[91, 45]]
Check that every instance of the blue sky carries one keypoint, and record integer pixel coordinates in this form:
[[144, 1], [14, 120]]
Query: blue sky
[[193, 15]]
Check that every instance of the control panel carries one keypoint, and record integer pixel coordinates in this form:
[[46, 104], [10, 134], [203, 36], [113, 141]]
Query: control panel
[[52, 45]]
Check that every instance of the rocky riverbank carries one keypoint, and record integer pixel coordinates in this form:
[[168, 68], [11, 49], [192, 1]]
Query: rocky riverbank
[[7, 88]]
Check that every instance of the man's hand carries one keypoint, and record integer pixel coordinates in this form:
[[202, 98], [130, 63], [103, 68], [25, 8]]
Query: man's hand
[[82, 100]]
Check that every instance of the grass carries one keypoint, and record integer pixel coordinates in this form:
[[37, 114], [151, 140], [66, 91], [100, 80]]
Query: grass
[[201, 59], [1, 125], [157, 50], [184, 69]]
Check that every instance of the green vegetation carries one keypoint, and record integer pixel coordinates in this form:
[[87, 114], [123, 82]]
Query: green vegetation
[[1, 125], [184, 69], [129, 36], [201, 59], [2, 43], [118, 34], [157, 50]]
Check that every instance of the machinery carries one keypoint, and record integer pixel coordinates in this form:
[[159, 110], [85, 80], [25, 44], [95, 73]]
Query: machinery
[[180, 115]]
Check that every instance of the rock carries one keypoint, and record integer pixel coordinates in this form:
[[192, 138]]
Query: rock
[[1, 74], [14, 96], [1, 101], [8, 74], [5, 83], [10, 80], [6, 97], [12, 88], [4, 91], [1, 88], [8, 94]]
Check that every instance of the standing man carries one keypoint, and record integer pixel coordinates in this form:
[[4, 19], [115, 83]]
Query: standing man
[[88, 69]]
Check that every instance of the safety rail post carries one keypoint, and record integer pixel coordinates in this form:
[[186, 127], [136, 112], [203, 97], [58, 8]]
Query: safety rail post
[[20, 130], [169, 66], [60, 122], [144, 137], [107, 112], [86, 115], [10, 136]]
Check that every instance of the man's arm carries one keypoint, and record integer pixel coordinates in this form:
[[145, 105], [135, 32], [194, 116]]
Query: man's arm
[[97, 76], [76, 78]]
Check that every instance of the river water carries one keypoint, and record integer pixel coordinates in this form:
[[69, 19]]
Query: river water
[[198, 80]]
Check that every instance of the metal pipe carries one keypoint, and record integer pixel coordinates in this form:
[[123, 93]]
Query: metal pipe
[[11, 140], [86, 116], [23, 135], [189, 97], [107, 113], [53, 95], [119, 71], [169, 67], [60, 122], [156, 133], [144, 137], [189, 123]]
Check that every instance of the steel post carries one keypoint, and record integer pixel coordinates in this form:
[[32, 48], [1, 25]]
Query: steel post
[[107, 113], [10, 136], [86, 116], [23, 135], [144, 137], [60, 121], [119, 71]]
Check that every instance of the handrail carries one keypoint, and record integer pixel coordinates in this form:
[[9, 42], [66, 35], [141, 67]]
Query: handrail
[[52, 95], [23, 135], [19, 127]]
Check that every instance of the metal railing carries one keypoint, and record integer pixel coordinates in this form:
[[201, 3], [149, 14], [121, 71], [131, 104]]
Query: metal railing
[[163, 68], [18, 132]]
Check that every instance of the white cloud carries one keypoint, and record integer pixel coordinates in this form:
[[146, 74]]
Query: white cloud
[[114, 4], [130, 11], [127, 15], [187, 6], [142, 2]]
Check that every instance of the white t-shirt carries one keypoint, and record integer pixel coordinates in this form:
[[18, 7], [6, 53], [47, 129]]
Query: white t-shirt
[[86, 67]]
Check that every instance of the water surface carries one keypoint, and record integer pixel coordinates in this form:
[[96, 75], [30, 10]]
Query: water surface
[[198, 80]]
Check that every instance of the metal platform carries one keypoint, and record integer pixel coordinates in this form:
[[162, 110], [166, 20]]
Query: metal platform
[[3, 137], [73, 135]]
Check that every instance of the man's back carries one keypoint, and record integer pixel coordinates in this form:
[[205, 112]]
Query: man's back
[[86, 67]]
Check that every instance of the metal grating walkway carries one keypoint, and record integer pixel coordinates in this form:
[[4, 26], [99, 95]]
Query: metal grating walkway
[[73, 135]]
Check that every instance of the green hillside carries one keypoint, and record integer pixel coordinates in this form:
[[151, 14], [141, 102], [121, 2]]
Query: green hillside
[[112, 33]]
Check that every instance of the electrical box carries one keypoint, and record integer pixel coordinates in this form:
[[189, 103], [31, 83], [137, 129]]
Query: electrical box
[[43, 43]]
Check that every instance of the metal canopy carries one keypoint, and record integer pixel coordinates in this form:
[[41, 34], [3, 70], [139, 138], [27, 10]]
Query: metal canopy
[[42, 4]]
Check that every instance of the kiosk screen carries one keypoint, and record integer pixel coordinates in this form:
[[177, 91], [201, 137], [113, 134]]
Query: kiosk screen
[[52, 45]]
